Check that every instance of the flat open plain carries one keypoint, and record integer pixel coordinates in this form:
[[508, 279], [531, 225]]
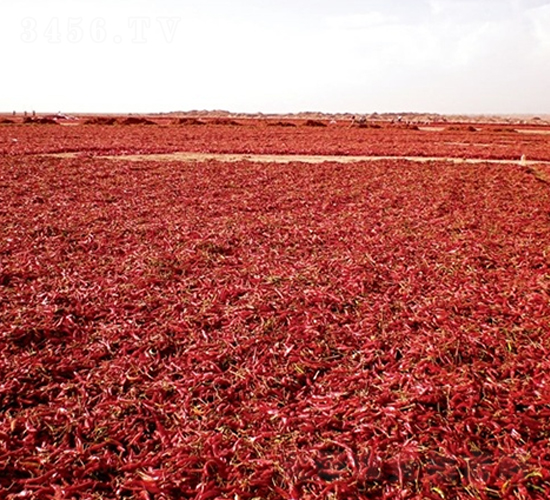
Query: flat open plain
[[263, 311]]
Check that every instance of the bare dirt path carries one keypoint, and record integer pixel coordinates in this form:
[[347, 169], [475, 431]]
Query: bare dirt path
[[270, 158], [533, 131]]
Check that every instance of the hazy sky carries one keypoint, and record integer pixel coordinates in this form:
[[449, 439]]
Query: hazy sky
[[448, 56]]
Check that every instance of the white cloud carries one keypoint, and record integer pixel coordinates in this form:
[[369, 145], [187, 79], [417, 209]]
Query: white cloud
[[359, 21], [539, 17]]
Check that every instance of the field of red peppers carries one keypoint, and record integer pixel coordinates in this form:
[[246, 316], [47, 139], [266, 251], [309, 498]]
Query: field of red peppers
[[211, 330], [258, 137]]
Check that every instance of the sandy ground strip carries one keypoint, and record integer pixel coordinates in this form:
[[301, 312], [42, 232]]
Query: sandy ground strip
[[270, 158], [533, 131]]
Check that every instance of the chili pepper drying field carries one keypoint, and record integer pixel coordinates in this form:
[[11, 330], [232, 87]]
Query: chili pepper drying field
[[246, 330]]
